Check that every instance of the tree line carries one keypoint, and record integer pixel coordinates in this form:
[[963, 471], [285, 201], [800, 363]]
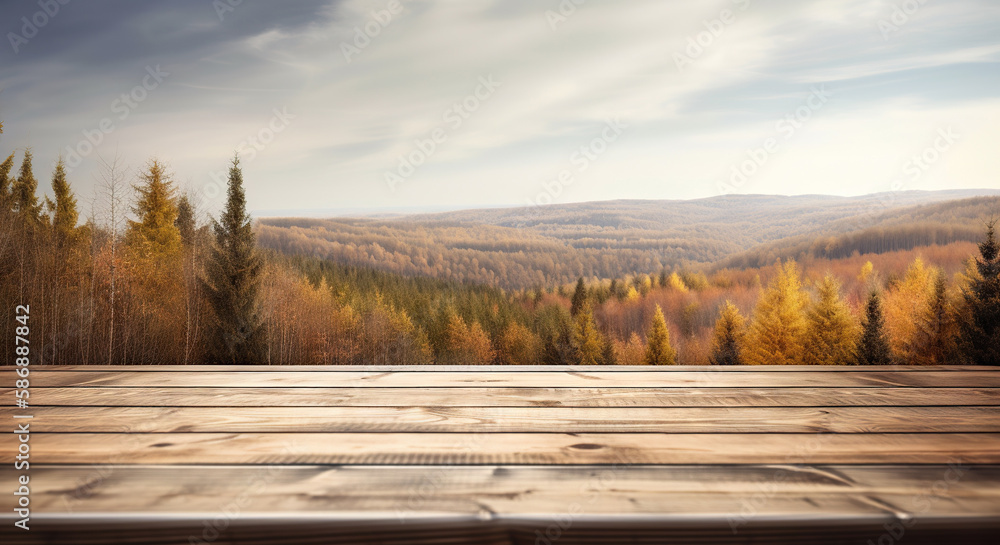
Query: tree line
[[143, 280], [138, 282]]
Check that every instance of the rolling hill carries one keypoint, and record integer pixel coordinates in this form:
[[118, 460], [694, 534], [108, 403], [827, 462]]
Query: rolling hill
[[518, 248]]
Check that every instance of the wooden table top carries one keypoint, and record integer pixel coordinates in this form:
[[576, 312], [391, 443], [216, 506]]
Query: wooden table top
[[502, 455]]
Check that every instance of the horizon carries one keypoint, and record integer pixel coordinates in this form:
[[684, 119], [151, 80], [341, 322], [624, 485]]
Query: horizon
[[401, 212], [509, 104]]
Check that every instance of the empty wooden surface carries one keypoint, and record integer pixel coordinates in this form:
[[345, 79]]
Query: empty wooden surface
[[508, 455]]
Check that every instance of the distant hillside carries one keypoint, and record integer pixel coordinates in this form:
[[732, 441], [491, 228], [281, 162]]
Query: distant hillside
[[902, 229], [555, 244]]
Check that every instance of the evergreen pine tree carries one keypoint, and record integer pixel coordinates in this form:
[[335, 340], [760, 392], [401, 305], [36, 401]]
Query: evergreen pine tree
[[232, 283], [831, 336], [980, 330], [730, 331], [608, 353], [579, 297], [154, 234], [550, 353], [937, 328], [64, 213], [6, 195], [26, 203], [777, 332], [873, 348], [185, 220], [658, 349]]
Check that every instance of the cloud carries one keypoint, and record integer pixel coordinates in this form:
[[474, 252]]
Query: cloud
[[355, 117]]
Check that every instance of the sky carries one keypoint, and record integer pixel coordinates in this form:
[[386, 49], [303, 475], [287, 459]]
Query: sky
[[432, 104]]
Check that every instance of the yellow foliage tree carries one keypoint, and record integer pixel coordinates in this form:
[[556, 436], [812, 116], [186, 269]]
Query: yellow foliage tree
[[904, 304], [155, 233], [586, 339], [831, 334], [519, 346], [465, 344], [777, 332], [675, 282], [658, 349]]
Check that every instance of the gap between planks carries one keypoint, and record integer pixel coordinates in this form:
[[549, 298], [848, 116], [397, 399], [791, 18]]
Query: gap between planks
[[507, 448], [638, 379], [708, 420]]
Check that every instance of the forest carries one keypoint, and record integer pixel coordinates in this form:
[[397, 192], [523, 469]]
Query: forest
[[523, 248], [140, 280]]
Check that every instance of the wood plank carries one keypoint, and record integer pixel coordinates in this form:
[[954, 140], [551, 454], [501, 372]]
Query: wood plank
[[638, 379], [715, 420], [413, 491], [508, 397], [505, 368], [487, 529], [506, 448]]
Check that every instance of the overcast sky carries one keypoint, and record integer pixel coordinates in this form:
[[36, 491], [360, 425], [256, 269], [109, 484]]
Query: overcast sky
[[339, 104]]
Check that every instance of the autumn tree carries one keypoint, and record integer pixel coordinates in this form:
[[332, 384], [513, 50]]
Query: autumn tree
[[937, 328], [980, 328], [831, 335], [466, 344], [675, 282], [873, 346], [519, 346], [658, 349], [579, 297], [727, 341], [776, 335], [232, 282], [586, 339], [630, 352], [905, 302], [154, 233]]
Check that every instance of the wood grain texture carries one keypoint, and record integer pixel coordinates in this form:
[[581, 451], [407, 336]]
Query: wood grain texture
[[547, 379], [714, 420], [505, 368], [531, 490], [506, 448], [509, 397], [496, 456]]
